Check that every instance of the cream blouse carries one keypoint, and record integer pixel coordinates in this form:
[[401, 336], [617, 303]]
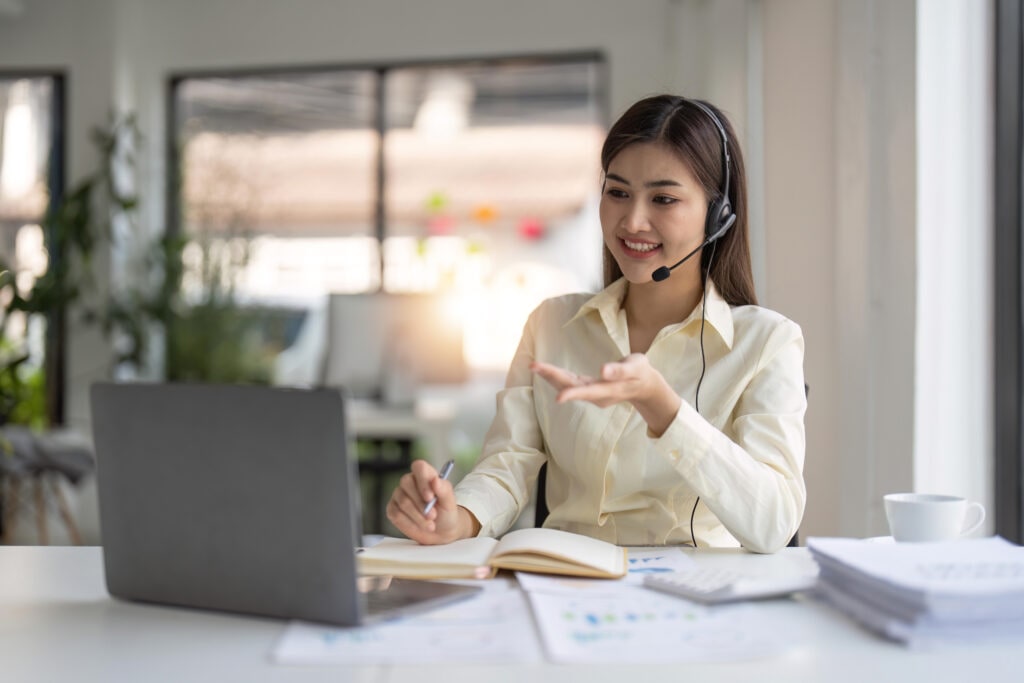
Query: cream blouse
[[742, 453]]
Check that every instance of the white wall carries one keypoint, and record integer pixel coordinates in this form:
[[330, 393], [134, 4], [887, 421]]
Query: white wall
[[823, 92], [875, 277], [800, 210]]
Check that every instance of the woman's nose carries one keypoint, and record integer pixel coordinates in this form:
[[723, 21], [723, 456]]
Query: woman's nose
[[635, 218]]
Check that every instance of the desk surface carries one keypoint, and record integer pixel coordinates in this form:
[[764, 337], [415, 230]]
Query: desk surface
[[57, 622]]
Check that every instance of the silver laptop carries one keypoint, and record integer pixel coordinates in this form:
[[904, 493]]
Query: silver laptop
[[238, 498]]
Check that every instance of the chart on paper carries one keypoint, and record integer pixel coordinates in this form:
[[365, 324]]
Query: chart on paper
[[636, 625], [492, 627], [641, 562]]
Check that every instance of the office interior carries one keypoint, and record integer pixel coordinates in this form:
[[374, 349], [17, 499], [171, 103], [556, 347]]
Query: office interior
[[867, 128]]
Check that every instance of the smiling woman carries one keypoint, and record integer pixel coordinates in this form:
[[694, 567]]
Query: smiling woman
[[667, 412], [654, 218]]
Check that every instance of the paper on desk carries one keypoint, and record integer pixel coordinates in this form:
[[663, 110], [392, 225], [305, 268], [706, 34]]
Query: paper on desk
[[635, 625], [641, 562], [494, 626], [927, 634], [975, 567]]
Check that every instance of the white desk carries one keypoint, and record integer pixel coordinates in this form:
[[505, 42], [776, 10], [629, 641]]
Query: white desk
[[57, 623]]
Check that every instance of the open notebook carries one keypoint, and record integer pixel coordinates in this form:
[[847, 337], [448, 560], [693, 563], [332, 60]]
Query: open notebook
[[546, 551]]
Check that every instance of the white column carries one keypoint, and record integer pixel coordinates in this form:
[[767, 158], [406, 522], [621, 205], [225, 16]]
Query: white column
[[953, 440]]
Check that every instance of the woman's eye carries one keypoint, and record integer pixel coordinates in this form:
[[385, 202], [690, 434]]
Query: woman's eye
[[617, 193], [662, 199]]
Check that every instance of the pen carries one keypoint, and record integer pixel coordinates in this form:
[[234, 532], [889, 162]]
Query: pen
[[445, 471]]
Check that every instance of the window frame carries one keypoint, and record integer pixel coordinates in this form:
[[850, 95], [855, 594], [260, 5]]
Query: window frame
[[380, 70], [1008, 278]]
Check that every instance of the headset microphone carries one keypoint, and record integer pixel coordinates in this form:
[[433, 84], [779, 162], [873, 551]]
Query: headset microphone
[[720, 215], [663, 272]]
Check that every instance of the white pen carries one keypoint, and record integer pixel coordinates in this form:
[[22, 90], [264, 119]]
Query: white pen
[[445, 471]]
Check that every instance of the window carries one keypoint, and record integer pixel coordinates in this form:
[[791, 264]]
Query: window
[[31, 178], [476, 181], [1009, 269]]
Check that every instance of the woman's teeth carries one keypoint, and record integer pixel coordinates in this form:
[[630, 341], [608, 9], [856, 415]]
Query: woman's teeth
[[640, 246]]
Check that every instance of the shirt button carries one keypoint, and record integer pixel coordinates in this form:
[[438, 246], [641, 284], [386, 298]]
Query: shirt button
[[674, 455]]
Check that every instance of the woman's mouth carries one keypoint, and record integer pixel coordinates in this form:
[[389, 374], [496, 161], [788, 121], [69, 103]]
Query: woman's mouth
[[639, 248]]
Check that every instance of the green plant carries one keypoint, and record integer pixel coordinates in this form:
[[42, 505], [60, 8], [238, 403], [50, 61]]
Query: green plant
[[191, 301], [72, 226], [208, 337]]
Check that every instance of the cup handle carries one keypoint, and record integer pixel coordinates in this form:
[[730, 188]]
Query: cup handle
[[981, 518]]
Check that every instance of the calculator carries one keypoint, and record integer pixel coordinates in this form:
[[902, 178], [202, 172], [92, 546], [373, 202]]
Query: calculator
[[714, 585]]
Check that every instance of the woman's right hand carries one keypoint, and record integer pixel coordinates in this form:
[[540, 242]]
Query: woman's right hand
[[446, 521]]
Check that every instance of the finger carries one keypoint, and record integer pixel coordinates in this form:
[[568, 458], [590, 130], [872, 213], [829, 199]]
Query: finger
[[445, 493], [413, 521], [630, 367], [411, 489], [613, 371], [556, 376], [605, 392], [409, 526], [424, 474], [412, 502], [405, 498]]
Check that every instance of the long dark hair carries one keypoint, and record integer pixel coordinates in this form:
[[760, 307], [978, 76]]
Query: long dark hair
[[681, 125]]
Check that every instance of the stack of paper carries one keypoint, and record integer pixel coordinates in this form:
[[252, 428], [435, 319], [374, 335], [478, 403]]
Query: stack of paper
[[926, 594]]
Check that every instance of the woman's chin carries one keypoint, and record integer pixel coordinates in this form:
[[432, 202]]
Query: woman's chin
[[639, 276]]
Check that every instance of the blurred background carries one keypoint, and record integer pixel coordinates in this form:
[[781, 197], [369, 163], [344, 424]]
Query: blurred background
[[375, 194]]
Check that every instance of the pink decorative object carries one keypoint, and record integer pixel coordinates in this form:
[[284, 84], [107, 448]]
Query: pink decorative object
[[440, 225], [531, 229]]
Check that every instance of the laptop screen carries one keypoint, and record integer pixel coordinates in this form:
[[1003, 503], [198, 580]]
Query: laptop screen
[[237, 498]]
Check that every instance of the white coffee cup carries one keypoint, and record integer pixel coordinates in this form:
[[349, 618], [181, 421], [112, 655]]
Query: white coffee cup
[[920, 517]]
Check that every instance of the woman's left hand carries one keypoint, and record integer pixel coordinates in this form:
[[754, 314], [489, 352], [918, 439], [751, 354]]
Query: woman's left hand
[[632, 379]]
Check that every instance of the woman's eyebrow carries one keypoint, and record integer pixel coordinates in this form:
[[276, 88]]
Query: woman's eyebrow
[[653, 183], [663, 183]]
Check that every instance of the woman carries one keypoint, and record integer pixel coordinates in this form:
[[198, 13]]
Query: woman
[[669, 407]]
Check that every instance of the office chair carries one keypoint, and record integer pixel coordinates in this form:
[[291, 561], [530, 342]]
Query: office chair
[[39, 460], [540, 508]]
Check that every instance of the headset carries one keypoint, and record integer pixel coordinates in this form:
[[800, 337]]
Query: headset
[[720, 215]]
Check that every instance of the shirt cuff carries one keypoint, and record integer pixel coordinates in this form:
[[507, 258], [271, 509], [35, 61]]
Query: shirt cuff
[[688, 444], [493, 515]]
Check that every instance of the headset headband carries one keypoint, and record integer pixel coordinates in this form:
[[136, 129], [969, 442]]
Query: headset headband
[[725, 143]]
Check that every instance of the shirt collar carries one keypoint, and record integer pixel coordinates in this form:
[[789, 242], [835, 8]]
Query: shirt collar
[[719, 315], [608, 303]]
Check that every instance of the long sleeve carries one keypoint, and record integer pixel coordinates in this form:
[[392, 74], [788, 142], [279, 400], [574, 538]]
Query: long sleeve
[[750, 473], [499, 487]]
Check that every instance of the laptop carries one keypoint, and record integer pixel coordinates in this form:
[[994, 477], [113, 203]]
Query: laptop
[[240, 499]]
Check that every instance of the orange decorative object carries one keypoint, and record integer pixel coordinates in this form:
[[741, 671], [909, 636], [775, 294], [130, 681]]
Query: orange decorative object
[[485, 213]]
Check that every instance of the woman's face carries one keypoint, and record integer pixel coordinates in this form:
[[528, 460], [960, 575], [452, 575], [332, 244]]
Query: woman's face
[[652, 212]]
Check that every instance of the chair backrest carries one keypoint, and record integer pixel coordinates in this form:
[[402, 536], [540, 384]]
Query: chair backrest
[[540, 505]]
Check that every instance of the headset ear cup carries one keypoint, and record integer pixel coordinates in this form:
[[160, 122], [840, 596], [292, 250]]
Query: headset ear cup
[[719, 219], [711, 221]]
